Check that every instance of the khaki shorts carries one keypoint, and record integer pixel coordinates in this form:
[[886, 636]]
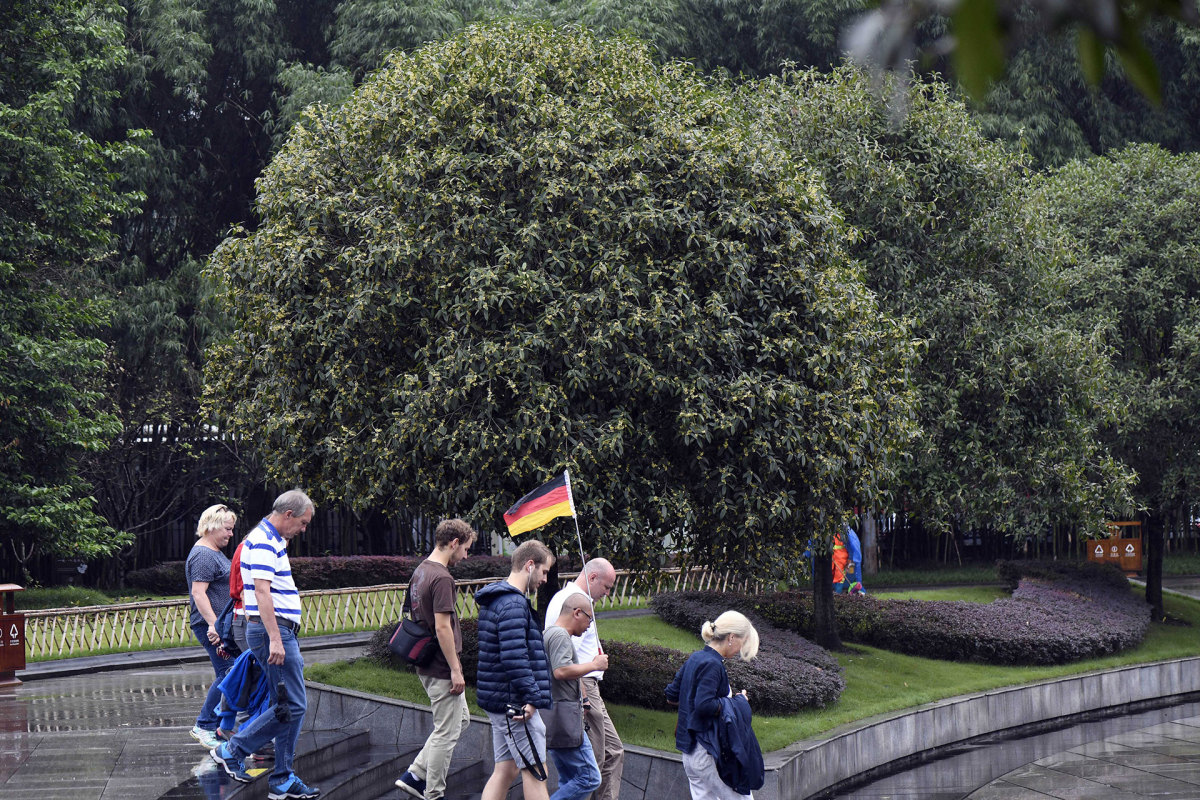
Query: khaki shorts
[[510, 736]]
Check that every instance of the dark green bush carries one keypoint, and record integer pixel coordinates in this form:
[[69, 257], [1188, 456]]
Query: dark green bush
[[790, 673]]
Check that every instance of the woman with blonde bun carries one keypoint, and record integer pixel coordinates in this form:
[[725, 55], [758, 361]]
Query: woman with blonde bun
[[207, 572], [699, 687]]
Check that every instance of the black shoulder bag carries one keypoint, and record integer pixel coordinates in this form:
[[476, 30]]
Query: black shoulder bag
[[413, 642]]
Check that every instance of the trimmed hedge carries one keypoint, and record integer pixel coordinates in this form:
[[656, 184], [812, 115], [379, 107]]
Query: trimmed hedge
[[790, 673], [329, 572], [1058, 613]]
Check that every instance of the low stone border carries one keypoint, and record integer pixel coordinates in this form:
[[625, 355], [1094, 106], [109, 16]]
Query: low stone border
[[812, 767], [809, 768]]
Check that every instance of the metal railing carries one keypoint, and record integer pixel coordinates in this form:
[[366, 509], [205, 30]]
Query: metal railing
[[89, 630]]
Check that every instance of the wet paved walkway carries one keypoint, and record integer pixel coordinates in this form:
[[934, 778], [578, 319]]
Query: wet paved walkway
[[109, 735]]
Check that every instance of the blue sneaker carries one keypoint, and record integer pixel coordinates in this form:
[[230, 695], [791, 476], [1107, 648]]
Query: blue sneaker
[[232, 764], [293, 789], [412, 785]]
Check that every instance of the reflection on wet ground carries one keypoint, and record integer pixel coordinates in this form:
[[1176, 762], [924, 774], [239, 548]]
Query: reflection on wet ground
[[109, 735]]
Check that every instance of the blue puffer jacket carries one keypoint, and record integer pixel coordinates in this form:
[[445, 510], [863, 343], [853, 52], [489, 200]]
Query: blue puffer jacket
[[512, 659]]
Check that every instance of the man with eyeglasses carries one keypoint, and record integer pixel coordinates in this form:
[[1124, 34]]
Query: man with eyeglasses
[[578, 773], [594, 582]]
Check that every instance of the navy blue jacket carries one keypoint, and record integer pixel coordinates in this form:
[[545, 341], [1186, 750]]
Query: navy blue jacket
[[739, 758], [512, 658], [698, 687]]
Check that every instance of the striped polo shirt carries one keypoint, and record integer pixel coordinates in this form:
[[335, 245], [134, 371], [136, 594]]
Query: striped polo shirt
[[264, 557]]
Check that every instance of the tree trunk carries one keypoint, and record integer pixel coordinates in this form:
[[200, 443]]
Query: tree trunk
[[870, 545], [1154, 563], [825, 631]]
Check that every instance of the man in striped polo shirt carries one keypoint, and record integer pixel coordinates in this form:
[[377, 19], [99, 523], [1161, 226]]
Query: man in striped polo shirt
[[273, 616]]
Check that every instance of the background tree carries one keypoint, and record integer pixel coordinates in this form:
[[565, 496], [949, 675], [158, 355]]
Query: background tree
[[201, 77], [1046, 105], [1131, 217], [58, 201], [524, 249], [1012, 388]]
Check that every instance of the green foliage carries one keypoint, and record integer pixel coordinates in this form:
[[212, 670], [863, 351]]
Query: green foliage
[[981, 31], [1131, 217], [525, 249], [58, 200], [1048, 106], [1013, 389]]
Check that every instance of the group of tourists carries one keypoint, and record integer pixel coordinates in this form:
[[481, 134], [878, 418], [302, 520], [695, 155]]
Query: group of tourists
[[539, 685]]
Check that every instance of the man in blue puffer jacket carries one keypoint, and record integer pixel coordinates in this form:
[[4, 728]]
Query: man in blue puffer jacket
[[514, 673]]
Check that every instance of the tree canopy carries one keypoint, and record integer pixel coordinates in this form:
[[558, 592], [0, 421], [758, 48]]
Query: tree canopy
[[1132, 217], [525, 249], [1012, 388], [58, 198]]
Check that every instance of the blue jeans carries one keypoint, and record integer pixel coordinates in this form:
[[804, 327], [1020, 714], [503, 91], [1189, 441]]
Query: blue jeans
[[267, 726], [208, 719], [578, 775]]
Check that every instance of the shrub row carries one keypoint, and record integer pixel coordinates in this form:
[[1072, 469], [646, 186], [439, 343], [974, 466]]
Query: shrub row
[[789, 675], [1056, 615], [329, 572]]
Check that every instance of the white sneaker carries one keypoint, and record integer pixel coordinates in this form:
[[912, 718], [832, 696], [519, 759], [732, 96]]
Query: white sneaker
[[207, 738]]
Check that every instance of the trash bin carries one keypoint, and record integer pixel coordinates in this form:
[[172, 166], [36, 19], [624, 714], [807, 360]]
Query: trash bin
[[1122, 548], [12, 635]]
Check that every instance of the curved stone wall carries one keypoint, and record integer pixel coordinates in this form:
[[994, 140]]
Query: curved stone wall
[[811, 767]]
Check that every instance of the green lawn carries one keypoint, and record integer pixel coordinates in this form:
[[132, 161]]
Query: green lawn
[[877, 681]]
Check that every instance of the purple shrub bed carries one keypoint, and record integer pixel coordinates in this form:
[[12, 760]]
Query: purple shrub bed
[[1057, 614], [789, 675]]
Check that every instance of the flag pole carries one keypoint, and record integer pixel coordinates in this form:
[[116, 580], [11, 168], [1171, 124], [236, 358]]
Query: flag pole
[[587, 585]]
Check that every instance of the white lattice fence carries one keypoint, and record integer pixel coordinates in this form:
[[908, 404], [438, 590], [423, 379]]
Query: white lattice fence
[[62, 633]]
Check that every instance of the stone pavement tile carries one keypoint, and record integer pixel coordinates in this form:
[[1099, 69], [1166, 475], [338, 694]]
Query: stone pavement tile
[[1152, 786], [1101, 749], [1094, 769], [1175, 730], [1002, 790], [1142, 759], [125, 788], [1065, 757], [1139, 738], [1189, 772], [1063, 786], [1193, 722], [1178, 749]]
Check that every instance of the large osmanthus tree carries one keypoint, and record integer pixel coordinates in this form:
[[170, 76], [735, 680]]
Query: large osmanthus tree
[[57, 204], [525, 249], [1013, 386], [1132, 221]]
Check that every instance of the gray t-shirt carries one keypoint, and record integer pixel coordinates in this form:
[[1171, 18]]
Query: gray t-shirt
[[206, 564], [560, 652]]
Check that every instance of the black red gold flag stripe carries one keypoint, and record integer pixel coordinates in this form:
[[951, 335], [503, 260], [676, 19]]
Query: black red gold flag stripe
[[543, 504]]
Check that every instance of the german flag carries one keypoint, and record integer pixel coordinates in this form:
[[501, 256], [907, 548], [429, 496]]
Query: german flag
[[540, 506]]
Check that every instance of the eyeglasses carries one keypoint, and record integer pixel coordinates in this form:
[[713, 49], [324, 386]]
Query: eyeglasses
[[586, 614]]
